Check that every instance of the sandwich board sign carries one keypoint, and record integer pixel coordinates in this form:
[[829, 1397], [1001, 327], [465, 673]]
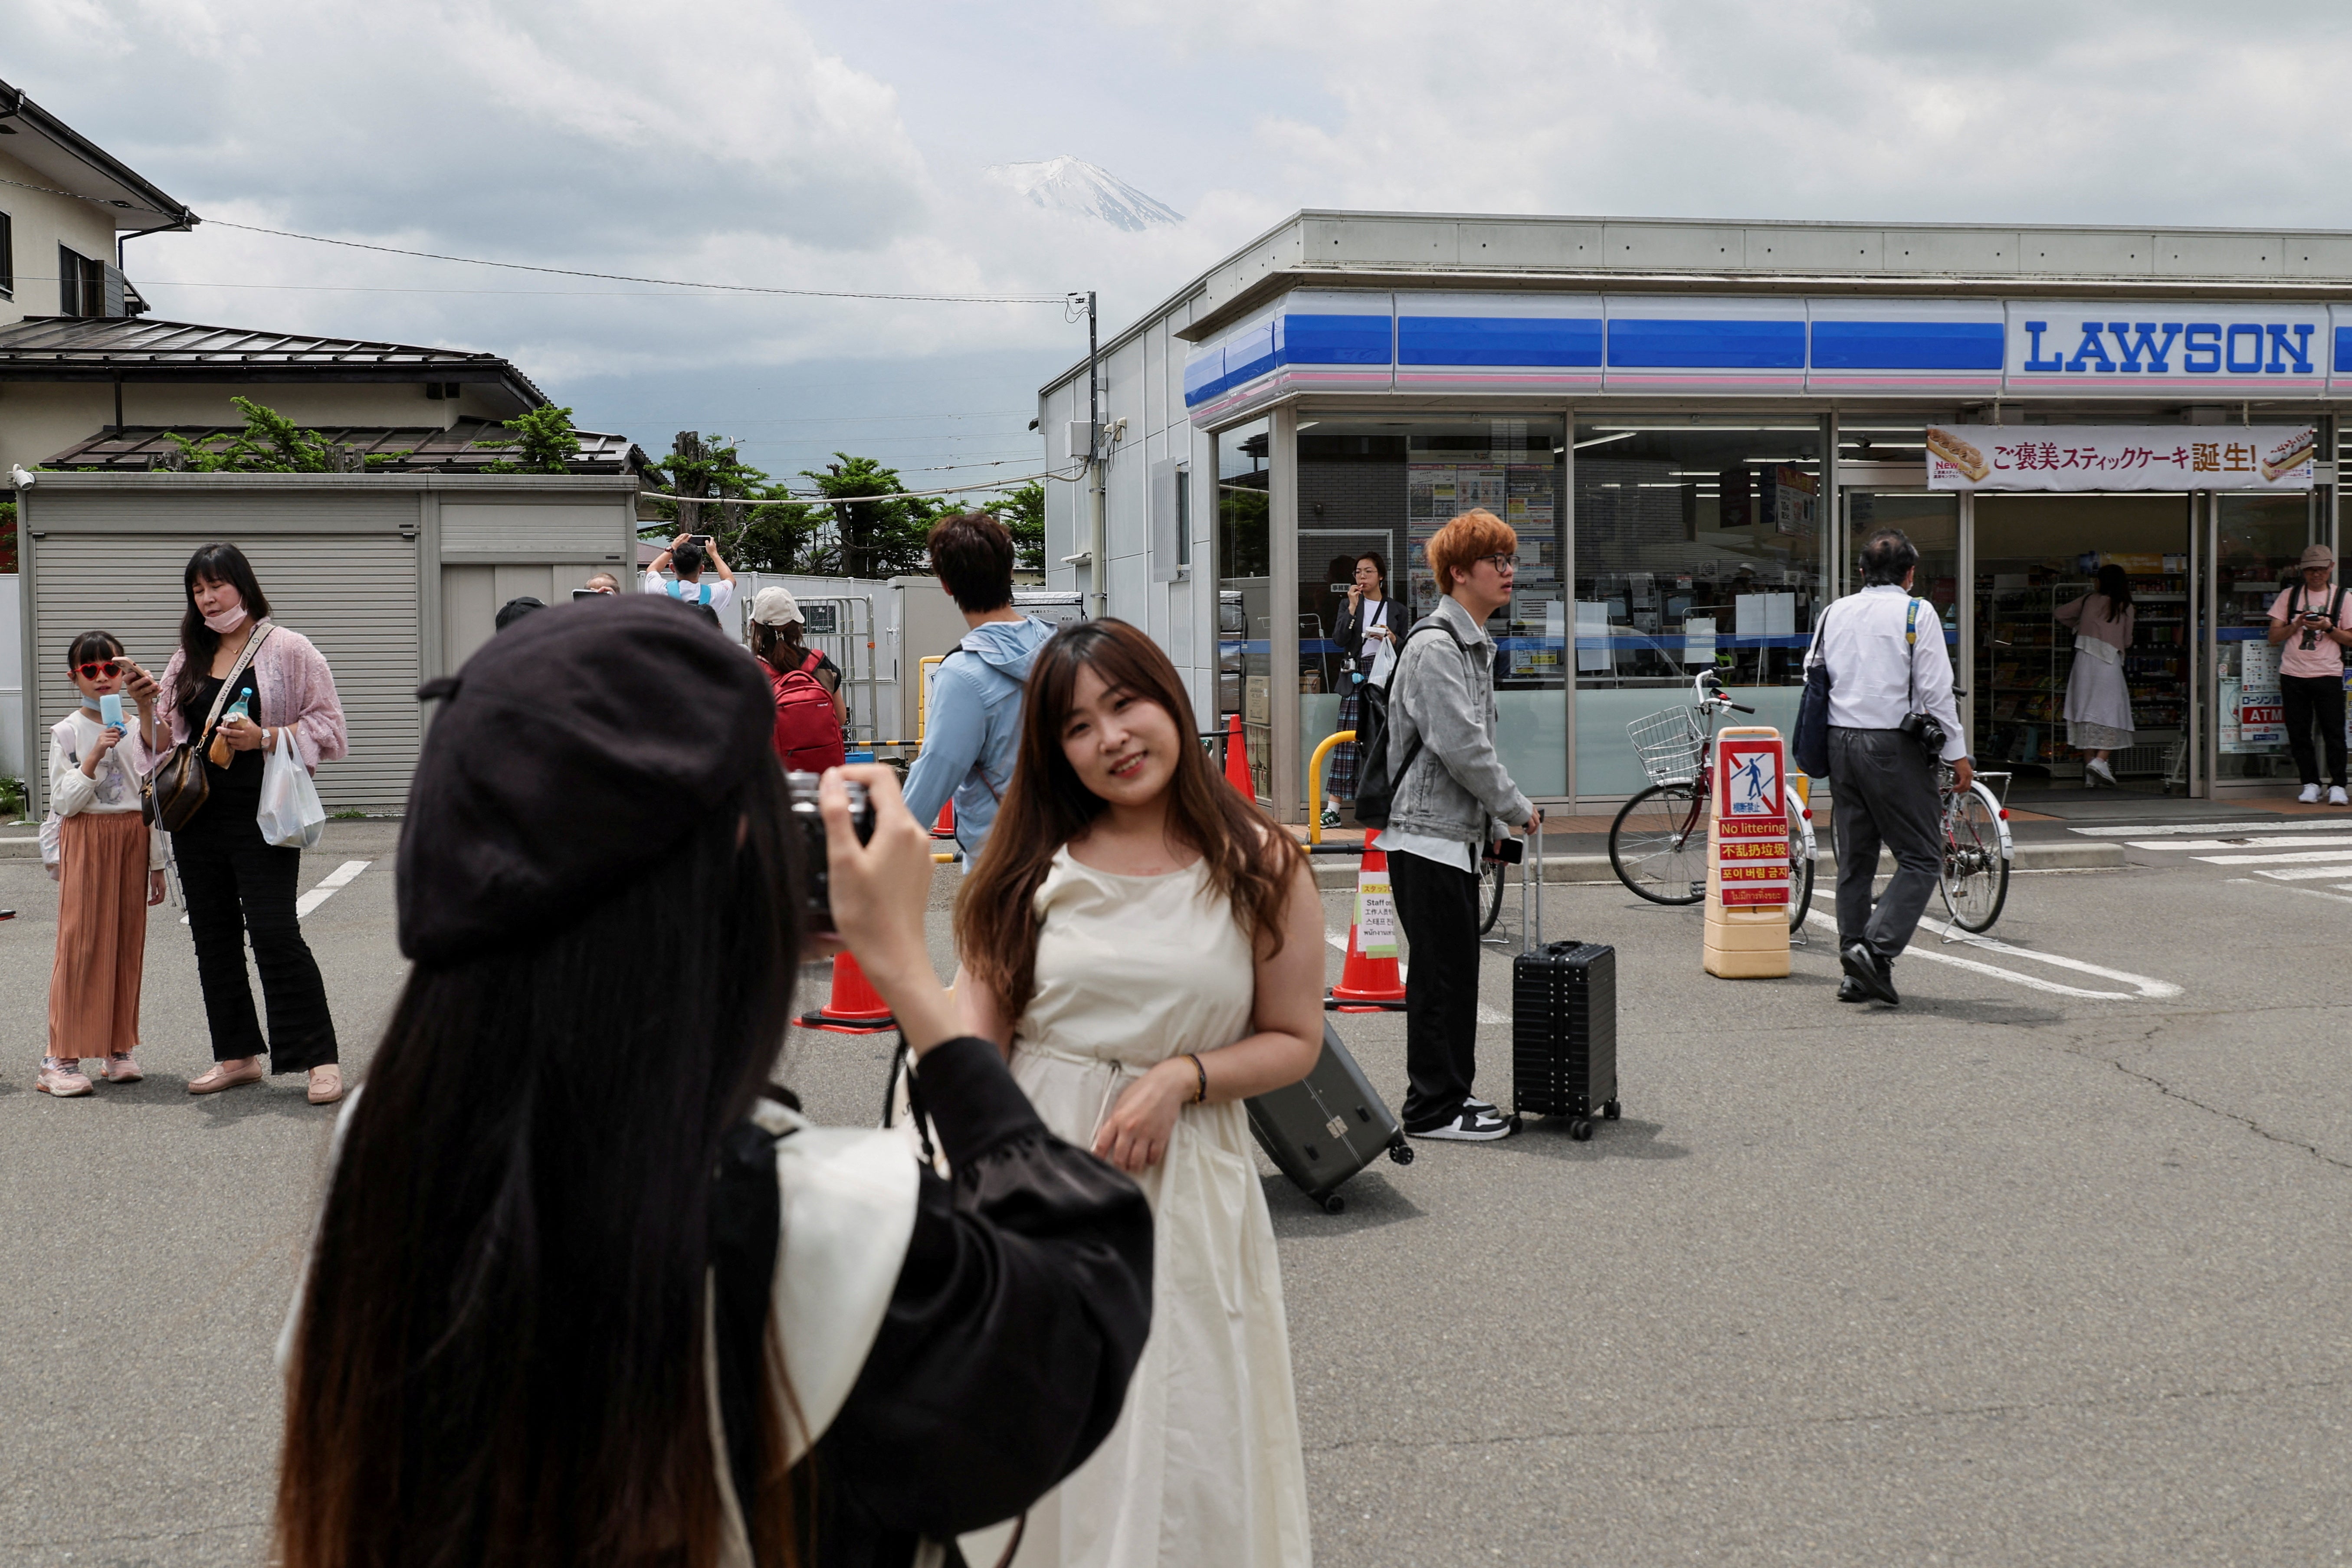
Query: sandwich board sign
[[1748, 880]]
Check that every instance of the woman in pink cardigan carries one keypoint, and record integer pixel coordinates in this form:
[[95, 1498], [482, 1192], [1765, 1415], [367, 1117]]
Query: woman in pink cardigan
[[237, 885]]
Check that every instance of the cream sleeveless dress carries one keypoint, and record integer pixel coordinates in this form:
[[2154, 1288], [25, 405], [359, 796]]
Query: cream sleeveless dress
[[1203, 1466]]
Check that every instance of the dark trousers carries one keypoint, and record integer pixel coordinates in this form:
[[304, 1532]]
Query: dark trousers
[[1437, 907], [1884, 795], [2306, 698], [238, 886]]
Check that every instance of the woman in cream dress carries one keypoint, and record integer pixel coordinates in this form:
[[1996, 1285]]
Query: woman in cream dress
[[1149, 946], [2099, 697]]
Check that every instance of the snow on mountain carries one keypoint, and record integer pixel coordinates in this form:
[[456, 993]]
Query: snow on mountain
[[1074, 185]]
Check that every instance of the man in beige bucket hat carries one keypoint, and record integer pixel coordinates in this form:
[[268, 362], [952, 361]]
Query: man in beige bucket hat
[[2307, 618]]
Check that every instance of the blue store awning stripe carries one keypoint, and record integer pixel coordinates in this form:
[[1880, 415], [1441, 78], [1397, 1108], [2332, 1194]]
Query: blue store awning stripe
[[1498, 340], [1706, 344], [1336, 339], [1908, 346]]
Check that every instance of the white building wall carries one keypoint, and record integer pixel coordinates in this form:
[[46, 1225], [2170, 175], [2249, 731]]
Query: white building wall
[[41, 222]]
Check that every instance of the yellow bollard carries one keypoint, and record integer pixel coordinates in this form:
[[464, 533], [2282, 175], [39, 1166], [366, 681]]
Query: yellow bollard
[[1748, 857], [1315, 782]]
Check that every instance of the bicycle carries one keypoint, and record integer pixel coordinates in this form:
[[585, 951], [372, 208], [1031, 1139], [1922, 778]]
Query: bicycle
[[1977, 850], [1658, 844]]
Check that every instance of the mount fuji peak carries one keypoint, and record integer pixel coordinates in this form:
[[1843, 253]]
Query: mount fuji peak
[[1074, 185]]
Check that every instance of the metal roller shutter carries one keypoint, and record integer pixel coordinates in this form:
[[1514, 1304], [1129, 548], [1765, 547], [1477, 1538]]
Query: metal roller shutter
[[353, 595]]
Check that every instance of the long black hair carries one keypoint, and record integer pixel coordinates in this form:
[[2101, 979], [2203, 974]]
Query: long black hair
[[499, 1357], [211, 563], [2115, 584]]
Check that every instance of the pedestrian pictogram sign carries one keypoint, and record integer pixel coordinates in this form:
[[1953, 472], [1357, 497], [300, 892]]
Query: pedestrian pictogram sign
[[1748, 880]]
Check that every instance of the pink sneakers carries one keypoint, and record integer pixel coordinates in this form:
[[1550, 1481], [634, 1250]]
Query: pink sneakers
[[61, 1078], [120, 1068]]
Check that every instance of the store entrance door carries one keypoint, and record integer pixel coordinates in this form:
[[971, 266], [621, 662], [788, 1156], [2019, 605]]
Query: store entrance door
[[2034, 554]]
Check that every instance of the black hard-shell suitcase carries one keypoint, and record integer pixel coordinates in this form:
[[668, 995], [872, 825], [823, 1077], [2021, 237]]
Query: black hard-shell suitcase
[[1563, 1025], [1328, 1126]]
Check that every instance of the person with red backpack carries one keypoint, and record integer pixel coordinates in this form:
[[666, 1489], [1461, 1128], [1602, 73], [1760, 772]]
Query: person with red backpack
[[810, 707]]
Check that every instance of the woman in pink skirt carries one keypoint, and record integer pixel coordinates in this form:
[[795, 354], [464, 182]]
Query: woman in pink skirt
[[110, 868]]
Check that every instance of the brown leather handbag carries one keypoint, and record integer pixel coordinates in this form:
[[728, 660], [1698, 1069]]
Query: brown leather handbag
[[179, 787]]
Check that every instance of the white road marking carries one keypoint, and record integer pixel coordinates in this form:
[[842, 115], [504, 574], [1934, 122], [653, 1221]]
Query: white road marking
[[341, 876], [2337, 897], [2313, 858], [2182, 829], [2190, 846], [2299, 874], [2143, 988]]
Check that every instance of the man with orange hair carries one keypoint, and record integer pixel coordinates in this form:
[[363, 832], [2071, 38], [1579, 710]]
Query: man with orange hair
[[1452, 790]]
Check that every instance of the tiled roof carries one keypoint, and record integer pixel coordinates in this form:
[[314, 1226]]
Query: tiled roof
[[138, 448], [52, 344]]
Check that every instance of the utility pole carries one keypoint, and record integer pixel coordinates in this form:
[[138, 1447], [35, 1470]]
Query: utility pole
[[1099, 544]]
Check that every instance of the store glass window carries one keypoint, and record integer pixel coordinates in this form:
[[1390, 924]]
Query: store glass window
[[1384, 487], [1698, 543], [1244, 593], [2259, 538]]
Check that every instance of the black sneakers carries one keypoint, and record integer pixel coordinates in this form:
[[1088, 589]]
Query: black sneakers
[[1472, 1125], [1868, 973]]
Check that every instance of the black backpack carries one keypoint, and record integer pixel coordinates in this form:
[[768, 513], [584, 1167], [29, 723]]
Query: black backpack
[[1375, 788]]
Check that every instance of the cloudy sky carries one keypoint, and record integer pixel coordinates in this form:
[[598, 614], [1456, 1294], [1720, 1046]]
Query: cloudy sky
[[841, 147]]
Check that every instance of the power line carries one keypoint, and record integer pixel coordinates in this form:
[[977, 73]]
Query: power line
[[665, 282]]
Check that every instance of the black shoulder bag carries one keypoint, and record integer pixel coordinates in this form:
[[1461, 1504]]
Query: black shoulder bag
[[1809, 746], [1375, 787]]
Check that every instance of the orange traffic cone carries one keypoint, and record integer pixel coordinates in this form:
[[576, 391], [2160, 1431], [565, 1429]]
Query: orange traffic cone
[[854, 1007], [1237, 769], [945, 827], [1370, 981]]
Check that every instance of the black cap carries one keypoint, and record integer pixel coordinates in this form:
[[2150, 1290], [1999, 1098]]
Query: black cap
[[573, 751]]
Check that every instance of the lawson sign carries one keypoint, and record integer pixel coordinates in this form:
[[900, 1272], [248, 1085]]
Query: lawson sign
[[1379, 341]]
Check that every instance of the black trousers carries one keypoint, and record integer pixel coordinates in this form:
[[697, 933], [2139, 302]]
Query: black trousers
[[2308, 698], [237, 885], [1437, 907], [1884, 793]]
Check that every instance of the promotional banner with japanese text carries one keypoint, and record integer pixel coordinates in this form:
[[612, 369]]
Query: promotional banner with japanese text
[[2120, 457]]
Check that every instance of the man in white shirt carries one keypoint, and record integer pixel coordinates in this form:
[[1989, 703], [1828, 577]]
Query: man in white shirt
[[1887, 662], [689, 555]]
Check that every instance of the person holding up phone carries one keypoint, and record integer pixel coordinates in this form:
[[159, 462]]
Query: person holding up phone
[[2307, 617], [688, 556], [110, 868], [1366, 636]]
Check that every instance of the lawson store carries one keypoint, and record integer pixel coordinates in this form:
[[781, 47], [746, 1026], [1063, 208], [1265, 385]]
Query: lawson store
[[1691, 425]]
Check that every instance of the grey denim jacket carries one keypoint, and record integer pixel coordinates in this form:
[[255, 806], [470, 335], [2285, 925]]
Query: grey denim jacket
[[1442, 692]]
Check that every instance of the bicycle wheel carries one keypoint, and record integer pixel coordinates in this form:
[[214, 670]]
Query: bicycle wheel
[[1490, 892], [1658, 846], [1975, 878], [1800, 870]]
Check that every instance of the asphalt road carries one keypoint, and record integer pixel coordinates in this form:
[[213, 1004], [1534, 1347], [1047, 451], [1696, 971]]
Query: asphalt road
[[2049, 1266]]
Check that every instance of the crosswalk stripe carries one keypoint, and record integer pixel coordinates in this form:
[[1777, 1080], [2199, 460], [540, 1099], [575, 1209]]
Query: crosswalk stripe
[[2312, 858], [2301, 874], [2317, 841], [2182, 829]]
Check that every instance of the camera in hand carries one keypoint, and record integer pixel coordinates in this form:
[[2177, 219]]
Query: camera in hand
[[816, 888]]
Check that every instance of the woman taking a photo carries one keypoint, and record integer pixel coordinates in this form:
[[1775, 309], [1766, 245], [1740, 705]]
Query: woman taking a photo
[[571, 1323], [1368, 637], [260, 680], [1148, 946], [2098, 698]]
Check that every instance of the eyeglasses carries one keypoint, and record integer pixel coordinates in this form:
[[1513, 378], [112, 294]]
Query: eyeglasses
[[1504, 562], [109, 668]]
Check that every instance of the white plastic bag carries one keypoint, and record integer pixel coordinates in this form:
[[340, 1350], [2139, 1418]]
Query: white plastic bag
[[290, 814]]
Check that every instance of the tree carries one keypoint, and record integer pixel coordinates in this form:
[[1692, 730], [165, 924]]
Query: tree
[[272, 444], [546, 439], [757, 524], [1021, 510], [880, 529]]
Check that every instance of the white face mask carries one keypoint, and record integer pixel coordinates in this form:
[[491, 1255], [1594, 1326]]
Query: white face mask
[[229, 619]]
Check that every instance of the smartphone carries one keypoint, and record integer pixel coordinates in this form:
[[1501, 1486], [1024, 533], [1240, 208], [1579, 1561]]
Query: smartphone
[[109, 710], [1506, 851], [589, 594]]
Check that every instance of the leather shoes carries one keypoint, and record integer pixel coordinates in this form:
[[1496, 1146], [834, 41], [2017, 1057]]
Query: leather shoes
[[1850, 990], [1870, 972], [326, 1084], [226, 1075]]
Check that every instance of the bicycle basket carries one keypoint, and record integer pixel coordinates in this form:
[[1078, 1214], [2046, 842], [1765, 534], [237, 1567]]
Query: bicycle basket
[[1670, 745]]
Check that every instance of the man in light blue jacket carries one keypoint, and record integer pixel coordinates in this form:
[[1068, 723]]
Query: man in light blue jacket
[[972, 717]]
